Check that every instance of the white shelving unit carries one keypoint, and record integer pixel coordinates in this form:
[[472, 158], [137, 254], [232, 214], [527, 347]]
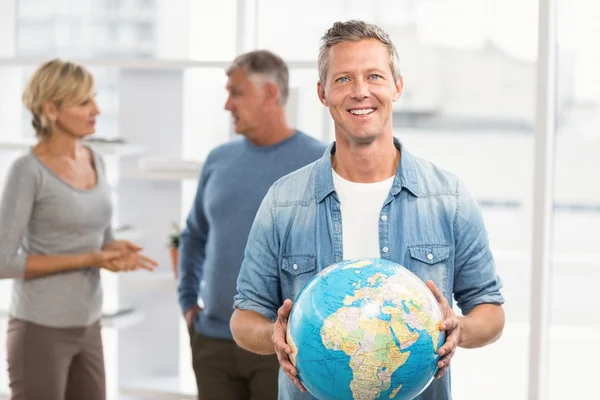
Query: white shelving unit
[[163, 173], [150, 199]]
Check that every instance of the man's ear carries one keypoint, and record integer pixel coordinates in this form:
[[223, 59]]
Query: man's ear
[[321, 94], [272, 93], [399, 87]]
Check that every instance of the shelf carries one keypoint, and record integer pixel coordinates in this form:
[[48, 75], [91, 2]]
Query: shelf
[[122, 320], [161, 388], [157, 168], [160, 175], [116, 149], [131, 234], [152, 281], [103, 148]]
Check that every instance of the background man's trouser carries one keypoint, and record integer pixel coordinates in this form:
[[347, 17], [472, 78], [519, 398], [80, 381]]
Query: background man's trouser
[[47, 363], [224, 371]]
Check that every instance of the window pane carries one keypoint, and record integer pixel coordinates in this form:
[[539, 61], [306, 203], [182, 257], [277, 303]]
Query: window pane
[[575, 321], [206, 123], [212, 30], [313, 17], [199, 30]]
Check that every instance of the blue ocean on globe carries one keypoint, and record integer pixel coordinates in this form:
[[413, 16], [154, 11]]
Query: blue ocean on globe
[[365, 329]]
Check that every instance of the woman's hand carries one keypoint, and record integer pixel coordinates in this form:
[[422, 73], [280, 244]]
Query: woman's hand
[[105, 259], [129, 258], [124, 245]]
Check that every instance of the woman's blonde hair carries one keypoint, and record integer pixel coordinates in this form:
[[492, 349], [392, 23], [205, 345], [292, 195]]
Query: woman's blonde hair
[[59, 82]]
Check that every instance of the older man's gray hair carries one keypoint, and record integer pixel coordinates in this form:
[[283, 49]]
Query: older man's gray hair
[[263, 65]]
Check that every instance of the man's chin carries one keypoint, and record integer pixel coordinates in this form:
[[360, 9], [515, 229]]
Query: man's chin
[[365, 138], [237, 128]]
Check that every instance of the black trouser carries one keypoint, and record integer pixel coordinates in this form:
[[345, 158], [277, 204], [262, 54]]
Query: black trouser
[[224, 371]]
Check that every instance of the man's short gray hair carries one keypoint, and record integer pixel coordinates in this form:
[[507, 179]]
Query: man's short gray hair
[[354, 31], [264, 64]]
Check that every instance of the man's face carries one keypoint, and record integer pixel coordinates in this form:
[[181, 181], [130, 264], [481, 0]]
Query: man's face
[[244, 102], [360, 90]]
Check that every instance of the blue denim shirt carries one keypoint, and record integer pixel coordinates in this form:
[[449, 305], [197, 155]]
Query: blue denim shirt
[[429, 223]]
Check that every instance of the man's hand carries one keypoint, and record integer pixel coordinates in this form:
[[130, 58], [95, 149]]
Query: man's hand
[[282, 349], [191, 314], [451, 325]]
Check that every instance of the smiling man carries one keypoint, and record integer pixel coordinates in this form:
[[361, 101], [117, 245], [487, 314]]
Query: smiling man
[[366, 197]]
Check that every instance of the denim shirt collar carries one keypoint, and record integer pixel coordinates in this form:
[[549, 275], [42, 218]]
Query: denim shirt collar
[[406, 174]]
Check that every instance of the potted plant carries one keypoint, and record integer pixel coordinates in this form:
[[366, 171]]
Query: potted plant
[[174, 248]]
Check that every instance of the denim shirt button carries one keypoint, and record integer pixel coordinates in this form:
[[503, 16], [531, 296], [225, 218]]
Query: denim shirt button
[[384, 218], [295, 266], [430, 256], [385, 249]]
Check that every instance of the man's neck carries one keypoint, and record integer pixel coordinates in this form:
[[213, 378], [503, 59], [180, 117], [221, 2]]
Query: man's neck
[[272, 131], [374, 162]]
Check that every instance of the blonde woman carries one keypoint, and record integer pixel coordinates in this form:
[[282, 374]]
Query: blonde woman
[[55, 236]]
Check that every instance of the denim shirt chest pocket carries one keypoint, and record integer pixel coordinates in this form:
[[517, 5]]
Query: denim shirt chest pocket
[[431, 262], [297, 270]]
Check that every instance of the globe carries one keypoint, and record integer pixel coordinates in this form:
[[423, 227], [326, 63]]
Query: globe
[[365, 329]]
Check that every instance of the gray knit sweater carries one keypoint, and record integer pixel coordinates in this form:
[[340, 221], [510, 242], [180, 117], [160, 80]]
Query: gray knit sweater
[[42, 214]]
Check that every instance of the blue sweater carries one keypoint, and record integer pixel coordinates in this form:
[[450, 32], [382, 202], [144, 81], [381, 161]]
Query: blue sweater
[[234, 179]]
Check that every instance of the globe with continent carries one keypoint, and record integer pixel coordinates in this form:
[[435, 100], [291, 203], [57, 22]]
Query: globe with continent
[[365, 329]]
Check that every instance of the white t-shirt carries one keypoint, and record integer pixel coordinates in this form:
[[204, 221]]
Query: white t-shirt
[[361, 204]]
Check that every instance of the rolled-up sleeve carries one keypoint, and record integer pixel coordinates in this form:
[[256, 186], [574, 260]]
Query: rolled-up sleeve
[[475, 277], [258, 286], [16, 207]]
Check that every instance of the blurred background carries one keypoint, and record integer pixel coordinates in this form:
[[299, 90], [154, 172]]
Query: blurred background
[[470, 75]]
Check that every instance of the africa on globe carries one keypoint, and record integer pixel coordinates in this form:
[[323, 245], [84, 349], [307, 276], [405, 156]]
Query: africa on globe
[[365, 329]]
